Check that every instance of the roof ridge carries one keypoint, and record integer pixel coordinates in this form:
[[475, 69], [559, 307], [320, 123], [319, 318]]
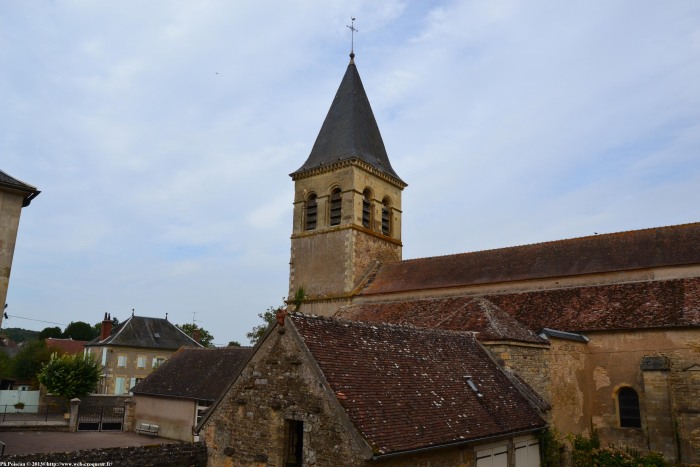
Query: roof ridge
[[367, 324]]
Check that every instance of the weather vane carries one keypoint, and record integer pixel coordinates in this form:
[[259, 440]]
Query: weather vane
[[352, 37]]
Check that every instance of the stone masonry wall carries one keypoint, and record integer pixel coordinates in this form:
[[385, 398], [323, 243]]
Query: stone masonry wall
[[249, 427], [531, 363], [160, 455]]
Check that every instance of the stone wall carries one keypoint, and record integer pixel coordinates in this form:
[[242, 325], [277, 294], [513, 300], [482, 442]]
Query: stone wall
[[661, 366], [161, 455], [530, 362], [10, 210]]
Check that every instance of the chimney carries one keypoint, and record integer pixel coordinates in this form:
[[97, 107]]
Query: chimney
[[106, 329], [197, 335]]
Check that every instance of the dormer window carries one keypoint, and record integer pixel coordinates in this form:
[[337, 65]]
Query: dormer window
[[310, 215], [386, 217], [366, 208], [336, 205]]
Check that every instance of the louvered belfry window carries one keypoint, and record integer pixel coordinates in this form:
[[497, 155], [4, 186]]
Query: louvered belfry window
[[628, 405], [311, 213], [336, 207], [386, 218], [366, 209]]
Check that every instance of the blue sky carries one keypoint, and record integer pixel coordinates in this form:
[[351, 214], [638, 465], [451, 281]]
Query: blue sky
[[162, 133]]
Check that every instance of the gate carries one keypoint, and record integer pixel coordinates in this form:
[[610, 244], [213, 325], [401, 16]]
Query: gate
[[101, 417]]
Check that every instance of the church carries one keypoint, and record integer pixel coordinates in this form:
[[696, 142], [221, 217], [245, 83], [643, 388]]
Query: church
[[462, 359]]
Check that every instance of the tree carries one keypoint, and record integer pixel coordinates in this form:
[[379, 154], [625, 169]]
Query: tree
[[29, 360], [54, 332], [80, 331], [205, 337], [234, 344], [5, 365], [71, 376], [269, 316]]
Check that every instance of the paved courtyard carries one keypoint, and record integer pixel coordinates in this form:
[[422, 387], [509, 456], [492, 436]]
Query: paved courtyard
[[28, 442]]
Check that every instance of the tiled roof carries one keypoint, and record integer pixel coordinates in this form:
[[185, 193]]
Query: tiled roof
[[7, 181], [191, 373], [468, 313], [349, 130], [66, 345], [624, 251], [150, 333], [406, 388], [636, 305]]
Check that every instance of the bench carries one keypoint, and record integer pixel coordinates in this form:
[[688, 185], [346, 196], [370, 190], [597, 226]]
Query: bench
[[147, 429]]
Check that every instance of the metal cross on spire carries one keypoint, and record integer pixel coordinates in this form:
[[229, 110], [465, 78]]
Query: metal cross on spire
[[352, 37]]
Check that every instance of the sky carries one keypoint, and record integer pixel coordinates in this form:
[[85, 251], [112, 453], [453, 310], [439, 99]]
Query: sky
[[162, 135]]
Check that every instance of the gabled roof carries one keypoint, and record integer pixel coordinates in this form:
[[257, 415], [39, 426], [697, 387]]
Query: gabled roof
[[625, 251], [465, 313], [406, 388], [11, 183], [349, 131], [636, 305], [151, 333], [201, 374], [66, 345]]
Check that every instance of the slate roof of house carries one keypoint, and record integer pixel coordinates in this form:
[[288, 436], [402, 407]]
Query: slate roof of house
[[66, 345], [638, 249], [7, 181], [406, 388], [635, 305], [465, 313], [349, 131], [191, 373], [144, 332]]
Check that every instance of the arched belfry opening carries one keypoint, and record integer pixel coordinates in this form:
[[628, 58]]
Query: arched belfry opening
[[352, 220]]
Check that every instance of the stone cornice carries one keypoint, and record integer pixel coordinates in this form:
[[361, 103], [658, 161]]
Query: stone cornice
[[338, 228], [349, 163]]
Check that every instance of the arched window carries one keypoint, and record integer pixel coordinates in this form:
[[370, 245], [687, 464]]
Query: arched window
[[367, 208], [336, 206], [628, 406], [311, 212], [386, 217]]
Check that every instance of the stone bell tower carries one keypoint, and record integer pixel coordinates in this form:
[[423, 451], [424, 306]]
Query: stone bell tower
[[347, 204]]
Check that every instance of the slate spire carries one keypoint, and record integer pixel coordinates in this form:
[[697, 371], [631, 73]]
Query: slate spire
[[349, 130]]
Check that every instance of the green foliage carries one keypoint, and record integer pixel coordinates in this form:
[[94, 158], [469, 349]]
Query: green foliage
[[21, 335], [54, 332], [552, 448], [234, 344], [586, 452], [71, 376], [206, 339], [269, 317], [80, 331], [29, 360], [299, 297], [6, 370]]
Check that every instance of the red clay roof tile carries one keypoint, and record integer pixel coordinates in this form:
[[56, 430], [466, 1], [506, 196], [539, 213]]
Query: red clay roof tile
[[637, 305], [406, 388], [638, 249], [465, 313]]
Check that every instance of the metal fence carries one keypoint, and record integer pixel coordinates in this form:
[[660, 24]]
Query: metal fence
[[43, 412]]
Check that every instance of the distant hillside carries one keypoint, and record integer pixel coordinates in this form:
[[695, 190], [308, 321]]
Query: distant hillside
[[21, 335]]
